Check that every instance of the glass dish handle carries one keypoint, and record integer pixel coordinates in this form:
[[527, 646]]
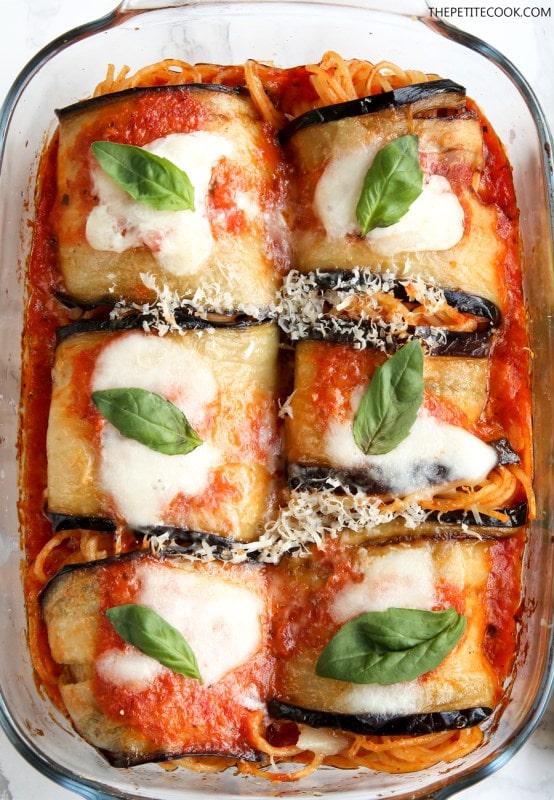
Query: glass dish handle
[[416, 8]]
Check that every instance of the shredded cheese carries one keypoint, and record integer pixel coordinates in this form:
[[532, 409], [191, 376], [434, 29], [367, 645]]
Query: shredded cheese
[[306, 519], [305, 308], [161, 314]]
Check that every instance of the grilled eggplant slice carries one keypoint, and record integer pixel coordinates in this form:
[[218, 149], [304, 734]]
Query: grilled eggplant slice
[[364, 309], [329, 382], [449, 236], [133, 321], [224, 246], [422, 97], [126, 703], [346, 281], [339, 583], [223, 380], [438, 342], [381, 724]]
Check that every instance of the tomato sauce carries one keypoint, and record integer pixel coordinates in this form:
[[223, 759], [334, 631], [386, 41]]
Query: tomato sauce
[[175, 713], [44, 314], [338, 371], [503, 599]]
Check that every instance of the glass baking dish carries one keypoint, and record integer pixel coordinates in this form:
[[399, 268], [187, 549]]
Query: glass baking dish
[[287, 33]]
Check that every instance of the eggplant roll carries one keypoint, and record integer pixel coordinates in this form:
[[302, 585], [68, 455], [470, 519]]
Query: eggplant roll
[[227, 246], [224, 381], [339, 585], [370, 310], [440, 449], [126, 703], [448, 235]]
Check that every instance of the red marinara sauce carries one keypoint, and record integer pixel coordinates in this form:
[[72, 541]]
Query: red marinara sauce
[[178, 714]]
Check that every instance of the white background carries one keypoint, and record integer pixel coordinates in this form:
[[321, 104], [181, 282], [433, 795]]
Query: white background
[[27, 25]]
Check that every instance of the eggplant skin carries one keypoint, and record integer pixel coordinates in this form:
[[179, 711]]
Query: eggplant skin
[[125, 760], [106, 99], [69, 522], [309, 478], [517, 517], [370, 104], [381, 724], [438, 342], [180, 540], [132, 322], [474, 304], [352, 280]]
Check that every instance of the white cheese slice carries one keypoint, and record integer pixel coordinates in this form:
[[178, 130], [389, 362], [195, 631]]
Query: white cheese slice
[[220, 620], [434, 221], [321, 741], [128, 667], [372, 698], [400, 578], [338, 190], [141, 481], [434, 453], [181, 241]]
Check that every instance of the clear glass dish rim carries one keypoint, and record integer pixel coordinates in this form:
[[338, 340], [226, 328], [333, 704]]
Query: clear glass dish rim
[[422, 10]]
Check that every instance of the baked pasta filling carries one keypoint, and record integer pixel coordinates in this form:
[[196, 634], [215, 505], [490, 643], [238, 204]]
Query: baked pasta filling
[[276, 460]]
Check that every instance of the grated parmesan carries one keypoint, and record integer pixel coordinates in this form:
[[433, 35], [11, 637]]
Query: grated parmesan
[[308, 518], [160, 315], [304, 307]]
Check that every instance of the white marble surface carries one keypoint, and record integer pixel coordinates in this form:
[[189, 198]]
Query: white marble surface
[[27, 25]]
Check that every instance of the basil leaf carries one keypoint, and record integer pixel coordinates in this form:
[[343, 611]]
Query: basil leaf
[[392, 183], [147, 177], [391, 646], [151, 634], [148, 418], [390, 404]]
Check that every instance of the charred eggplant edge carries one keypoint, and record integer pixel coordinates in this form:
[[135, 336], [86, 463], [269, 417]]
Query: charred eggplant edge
[[345, 280], [381, 724], [310, 478], [123, 761], [137, 321], [135, 91], [438, 342], [180, 540], [369, 105]]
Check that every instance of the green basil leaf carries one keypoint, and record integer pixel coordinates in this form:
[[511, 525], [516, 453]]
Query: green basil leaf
[[151, 634], [392, 183], [390, 404], [391, 646], [148, 418], [147, 177]]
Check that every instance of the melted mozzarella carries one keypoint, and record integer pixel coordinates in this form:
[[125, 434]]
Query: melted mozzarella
[[129, 668], [372, 698], [321, 741], [402, 578], [180, 240], [435, 221], [338, 190], [433, 454], [398, 579], [141, 481], [220, 620]]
